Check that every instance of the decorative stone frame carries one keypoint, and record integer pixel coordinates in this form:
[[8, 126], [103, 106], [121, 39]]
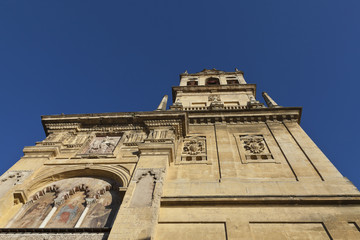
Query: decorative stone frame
[[194, 150], [253, 148]]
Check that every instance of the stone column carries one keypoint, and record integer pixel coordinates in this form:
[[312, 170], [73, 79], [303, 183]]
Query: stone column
[[138, 214], [89, 201], [57, 203]]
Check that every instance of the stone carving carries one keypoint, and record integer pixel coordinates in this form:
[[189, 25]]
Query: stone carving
[[253, 103], [134, 138], [254, 144], [256, 149], [72, 140], [52, 139], [214, 98], [177, 105], [160, 135], [102, 145], [215, 102], [194, 149]]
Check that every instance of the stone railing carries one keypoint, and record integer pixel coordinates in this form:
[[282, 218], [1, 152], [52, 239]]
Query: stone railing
[[208, 108]]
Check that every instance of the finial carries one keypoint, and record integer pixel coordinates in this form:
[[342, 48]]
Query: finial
[[269, 101], [163, 103], [186, 72], [236, 70]]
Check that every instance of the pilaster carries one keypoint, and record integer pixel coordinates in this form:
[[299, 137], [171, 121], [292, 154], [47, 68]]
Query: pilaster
[[138, 215]]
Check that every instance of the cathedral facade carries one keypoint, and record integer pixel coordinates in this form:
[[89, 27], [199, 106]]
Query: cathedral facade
[[217, 164]]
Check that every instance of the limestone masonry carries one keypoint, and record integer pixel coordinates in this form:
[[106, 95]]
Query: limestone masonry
[[217, 165]]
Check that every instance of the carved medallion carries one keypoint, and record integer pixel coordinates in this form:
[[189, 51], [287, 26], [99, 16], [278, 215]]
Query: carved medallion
[[254, 144], [194, 150], [193, 147]]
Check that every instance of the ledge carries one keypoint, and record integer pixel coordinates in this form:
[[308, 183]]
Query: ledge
[[217, 88], [261, 200]]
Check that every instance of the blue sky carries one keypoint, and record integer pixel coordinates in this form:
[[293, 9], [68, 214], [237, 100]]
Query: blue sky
[[118, 56]]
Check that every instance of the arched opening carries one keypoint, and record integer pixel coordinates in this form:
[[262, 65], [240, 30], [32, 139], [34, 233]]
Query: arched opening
[[192, 83], [212, 81], [76, 202]]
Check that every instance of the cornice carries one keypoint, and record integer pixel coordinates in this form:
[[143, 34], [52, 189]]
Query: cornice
[[117, 121], [172, 201], [179, 120], [211, 72], [240, 116], [218, 88]]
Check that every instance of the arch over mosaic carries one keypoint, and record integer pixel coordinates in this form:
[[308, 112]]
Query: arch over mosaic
[[86, 202]]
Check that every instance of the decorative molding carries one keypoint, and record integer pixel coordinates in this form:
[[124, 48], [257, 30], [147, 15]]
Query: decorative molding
[[238, 119], [115, 122], [118, 173], [41, 151], [142, 172]]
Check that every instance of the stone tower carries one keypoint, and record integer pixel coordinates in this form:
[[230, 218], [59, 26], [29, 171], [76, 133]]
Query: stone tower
[[217, 165]]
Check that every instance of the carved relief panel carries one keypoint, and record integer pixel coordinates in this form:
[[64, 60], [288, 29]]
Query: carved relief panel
[[133, 138], [53, 138], [69, 141], [160, 135], [215, 102], [253, 148], [72, 140], [102, 145], [194, 150]]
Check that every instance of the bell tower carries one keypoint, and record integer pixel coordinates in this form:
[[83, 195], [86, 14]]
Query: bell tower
[[214, 89], [218, 164]]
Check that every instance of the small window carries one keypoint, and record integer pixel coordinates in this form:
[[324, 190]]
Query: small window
[[232, 82], [212, 81], [192, 83]]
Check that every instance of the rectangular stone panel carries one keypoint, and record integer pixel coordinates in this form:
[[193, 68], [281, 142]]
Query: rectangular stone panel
[[284, 231], [185, 231]]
